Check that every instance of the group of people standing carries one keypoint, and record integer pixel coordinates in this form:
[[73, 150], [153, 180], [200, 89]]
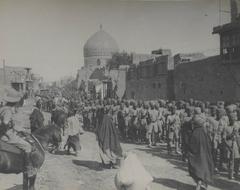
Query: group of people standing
[[204, 134]]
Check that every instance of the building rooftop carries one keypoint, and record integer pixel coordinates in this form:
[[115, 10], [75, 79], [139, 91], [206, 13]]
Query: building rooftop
[[227, 27]]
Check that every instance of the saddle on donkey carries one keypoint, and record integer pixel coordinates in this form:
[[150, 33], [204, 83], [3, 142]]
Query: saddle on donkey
[[19, 150]]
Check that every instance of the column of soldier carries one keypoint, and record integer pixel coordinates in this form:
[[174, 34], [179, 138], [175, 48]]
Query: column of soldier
[[170, 122]]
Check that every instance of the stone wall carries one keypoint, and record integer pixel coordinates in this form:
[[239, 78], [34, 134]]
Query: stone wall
[[208, 79], [150, 80], [147, 89]]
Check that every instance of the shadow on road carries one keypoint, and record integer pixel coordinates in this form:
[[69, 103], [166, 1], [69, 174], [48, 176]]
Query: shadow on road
[[16, 187], [218, 183], [161, 152], [64, 153], [61, 152], [174, 184], [225, 184], [92, 165]]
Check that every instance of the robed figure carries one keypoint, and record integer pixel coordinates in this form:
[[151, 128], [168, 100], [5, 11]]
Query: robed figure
[[201, 166], [36, 118], [108, 140]]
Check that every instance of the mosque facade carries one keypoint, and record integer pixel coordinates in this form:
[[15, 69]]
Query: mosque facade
[[98, 49]]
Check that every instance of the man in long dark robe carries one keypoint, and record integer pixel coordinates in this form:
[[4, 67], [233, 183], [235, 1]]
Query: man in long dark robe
[[108, 141], [201, 167], [186, 132], [99, 116], [36, 117]]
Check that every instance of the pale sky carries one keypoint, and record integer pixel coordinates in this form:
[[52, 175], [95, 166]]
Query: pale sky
[[49, 35]]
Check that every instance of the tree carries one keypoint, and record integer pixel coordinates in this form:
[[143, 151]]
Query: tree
[[118, 59]]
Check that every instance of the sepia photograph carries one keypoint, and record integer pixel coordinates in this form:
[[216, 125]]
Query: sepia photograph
[[119, 94]]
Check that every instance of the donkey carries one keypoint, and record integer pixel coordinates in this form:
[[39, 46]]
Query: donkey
[[12, 159]]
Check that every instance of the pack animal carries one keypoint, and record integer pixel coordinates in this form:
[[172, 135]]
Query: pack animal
[[12, 159]]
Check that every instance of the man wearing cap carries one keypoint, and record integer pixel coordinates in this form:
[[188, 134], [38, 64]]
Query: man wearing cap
[[138, 122], [121, 121], [230, 137], [165, 114], [152, 127], [223, 123], [144, 115], [160, 122], [134, 121], [127, 118], [10, 135], [213, 131], [173, 128]]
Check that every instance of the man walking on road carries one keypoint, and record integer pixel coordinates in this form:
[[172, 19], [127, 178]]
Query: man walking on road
[[201, 166]]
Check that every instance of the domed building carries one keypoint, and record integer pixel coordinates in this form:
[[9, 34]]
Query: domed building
[[98, 49]]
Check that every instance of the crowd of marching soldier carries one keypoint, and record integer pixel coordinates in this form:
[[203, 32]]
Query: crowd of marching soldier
[[170, 122]]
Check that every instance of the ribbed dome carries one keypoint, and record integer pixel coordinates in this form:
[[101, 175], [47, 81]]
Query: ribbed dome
[[100, 44]]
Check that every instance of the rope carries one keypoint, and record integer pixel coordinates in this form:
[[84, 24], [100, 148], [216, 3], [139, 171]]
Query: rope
[[34, 138]]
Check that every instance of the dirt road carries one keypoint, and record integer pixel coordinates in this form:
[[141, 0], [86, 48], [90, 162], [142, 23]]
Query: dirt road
[[67, 172]]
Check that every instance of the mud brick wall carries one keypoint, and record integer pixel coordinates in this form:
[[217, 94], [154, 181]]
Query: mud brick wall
[[208, 79]]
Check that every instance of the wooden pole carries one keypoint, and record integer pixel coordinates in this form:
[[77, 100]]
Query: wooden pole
[[4, 72], [220, 8]]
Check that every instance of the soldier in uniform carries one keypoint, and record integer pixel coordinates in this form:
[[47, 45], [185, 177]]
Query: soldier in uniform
[[144, 115], [138, 122], [152, 127], [10, 135], [121, 121], [160, 122], [230, 137], [173, 128], [223, 123], [213, 131], [134, 121], [127, 118], [90, 116], [165, 113]]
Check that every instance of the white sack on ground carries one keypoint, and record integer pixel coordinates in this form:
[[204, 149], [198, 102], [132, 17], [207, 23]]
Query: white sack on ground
[[132, 175]]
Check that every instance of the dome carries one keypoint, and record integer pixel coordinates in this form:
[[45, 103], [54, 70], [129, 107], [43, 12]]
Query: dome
[[100, 44]]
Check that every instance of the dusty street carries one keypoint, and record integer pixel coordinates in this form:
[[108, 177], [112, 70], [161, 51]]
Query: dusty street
[[67, 172]]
